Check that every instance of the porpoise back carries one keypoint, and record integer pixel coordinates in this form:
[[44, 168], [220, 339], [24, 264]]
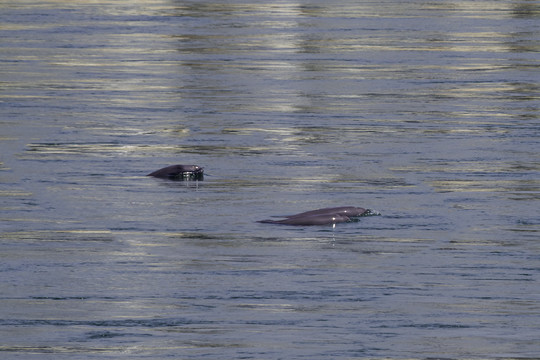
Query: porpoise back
[[189, 172], [350, 211], [317, 219]]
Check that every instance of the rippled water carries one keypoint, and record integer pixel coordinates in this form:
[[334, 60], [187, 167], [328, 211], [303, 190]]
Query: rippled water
[[425, 111]]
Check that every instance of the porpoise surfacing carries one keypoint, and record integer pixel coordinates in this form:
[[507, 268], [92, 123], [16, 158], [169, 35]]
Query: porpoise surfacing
[[317, 219], [179, 172], [350, 211], [325, 216]]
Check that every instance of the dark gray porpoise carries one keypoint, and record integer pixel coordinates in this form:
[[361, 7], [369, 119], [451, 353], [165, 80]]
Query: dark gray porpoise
[[317, 219], [192, 172], [342, 210], [326, 216]]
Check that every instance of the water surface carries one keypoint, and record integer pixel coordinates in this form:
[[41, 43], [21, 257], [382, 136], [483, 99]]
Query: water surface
[[425, 111]]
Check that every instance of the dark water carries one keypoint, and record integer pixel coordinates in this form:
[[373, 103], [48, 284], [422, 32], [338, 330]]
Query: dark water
[[425, 111]]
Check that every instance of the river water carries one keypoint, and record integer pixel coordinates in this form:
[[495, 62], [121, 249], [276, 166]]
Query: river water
[[427, 112]]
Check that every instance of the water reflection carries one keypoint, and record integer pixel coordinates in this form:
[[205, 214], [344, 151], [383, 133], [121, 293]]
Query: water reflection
[[425, 111], [526, 9]]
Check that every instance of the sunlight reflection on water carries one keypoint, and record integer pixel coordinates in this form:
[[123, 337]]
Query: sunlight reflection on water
[[426, 112]]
